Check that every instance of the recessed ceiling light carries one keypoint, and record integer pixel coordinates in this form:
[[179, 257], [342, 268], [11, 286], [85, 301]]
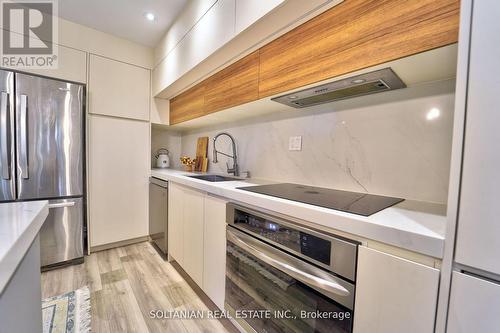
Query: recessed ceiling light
[[149, 16], [433, 114]]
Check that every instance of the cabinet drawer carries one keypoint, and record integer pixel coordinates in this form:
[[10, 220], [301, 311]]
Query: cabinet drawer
[[394, 295]]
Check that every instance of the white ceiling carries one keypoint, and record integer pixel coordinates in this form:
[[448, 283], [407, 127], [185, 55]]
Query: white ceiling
[[124, 18]]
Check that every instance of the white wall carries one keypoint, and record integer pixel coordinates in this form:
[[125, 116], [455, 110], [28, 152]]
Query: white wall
[[381, 144], [93, 41], [161, 138]]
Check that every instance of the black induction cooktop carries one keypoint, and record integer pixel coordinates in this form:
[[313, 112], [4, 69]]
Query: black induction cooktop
[[350, 202]]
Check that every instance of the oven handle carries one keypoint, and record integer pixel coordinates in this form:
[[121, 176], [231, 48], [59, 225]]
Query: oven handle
[[328, 284]]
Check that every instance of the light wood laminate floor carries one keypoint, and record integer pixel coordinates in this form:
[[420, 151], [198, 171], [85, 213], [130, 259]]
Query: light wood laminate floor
[[126, 283]]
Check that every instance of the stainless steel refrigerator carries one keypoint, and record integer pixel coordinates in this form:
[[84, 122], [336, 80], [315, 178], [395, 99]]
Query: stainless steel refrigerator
[[42, 155]]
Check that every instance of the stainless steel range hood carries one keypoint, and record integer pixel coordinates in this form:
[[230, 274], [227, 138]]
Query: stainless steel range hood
[[359, 85]]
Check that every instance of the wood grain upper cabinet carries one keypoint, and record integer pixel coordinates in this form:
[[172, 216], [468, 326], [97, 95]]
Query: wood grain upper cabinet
[[188, 105], [118, 89], [351, 36], [394, 295], [354, 35], [234, 85]]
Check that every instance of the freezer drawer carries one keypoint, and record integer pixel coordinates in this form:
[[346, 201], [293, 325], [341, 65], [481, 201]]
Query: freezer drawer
[[474, 305], [61, 237]]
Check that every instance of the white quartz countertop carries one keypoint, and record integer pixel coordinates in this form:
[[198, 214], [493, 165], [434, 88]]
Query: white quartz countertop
[[20, 223], [414, 226]]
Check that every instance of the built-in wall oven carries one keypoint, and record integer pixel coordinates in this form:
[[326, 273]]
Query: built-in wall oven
[[282, 277]]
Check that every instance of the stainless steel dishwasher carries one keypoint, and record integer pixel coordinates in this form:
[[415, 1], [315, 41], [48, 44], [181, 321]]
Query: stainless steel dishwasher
[[158, 213]]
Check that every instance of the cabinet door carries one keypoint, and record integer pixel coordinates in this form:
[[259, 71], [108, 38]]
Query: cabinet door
[[474, 305], [394, 295], [209, 34], [250, 11], [71, 66], [118, 89], [188, 105], [119, 164], [176, 222], [355, 35], [193, 235], [234, 85], [214, 271], [478, 221]]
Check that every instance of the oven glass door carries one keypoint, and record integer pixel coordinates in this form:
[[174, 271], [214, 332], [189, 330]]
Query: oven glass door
[[272, 300]]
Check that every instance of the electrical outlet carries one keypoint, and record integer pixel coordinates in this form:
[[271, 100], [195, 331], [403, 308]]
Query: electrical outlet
[[295, 143]]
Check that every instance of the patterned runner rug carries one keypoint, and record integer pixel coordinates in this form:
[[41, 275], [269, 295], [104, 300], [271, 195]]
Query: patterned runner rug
[[67, 313]]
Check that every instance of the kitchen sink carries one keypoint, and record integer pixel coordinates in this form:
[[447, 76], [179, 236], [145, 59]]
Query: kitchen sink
[[214, 178]]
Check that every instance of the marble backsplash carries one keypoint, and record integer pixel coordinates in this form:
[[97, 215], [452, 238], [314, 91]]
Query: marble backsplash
[[397, 143]]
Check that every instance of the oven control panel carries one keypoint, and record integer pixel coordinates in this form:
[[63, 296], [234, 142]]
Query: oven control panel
[[290, 238]]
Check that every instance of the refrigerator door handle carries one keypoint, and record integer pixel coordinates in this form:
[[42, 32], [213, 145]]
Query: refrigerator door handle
[[5, 135], [62, 204], [23, 153]]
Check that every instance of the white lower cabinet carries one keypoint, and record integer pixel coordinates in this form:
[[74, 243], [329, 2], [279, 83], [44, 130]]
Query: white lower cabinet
[[214, 265], [394, 295], [474, 305], [197, 238], [193, 235], [175, 223]]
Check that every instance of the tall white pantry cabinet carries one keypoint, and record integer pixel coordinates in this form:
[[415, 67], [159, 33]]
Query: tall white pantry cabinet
[[119, 161], [474, 299]]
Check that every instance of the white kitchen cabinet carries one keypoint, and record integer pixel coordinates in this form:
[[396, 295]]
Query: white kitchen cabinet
[[474, 305], [211, 32], [175, 222], [478, 221], [20, 301], [214, 264], [71, 66], [193, 235], [119, 167], [185, 21], [250, 11], [185, 229], [394, 295], [118, 89], [197, 238]]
